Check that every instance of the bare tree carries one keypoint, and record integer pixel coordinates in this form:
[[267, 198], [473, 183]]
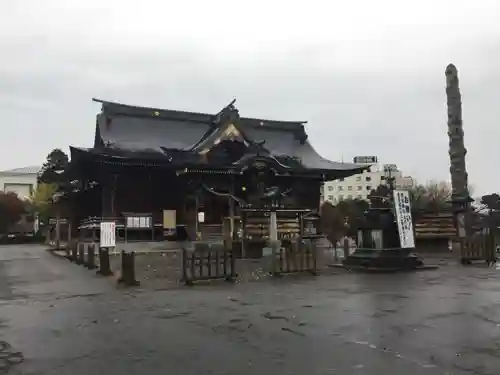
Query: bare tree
[[432, 197]]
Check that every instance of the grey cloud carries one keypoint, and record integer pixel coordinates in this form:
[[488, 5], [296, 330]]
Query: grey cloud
[[398, 114]]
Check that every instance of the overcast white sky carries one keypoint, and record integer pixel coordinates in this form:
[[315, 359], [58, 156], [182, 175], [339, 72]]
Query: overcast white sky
[[368, 76]]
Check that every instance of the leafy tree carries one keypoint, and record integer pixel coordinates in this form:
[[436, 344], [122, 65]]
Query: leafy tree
[[54, 169], [353, 211], [489, 214], [342, 219], [11, 209], [332, 222], [491, 201], [380, 197], [42, 200]]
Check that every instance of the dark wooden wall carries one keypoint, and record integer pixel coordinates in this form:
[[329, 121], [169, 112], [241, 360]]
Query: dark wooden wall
[[152, 190]]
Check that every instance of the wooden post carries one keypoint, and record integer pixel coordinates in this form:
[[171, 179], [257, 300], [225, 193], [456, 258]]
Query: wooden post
[[104, 265], [126, 229], [232, 209], [94, 235], [346, 248], [243, 234], [58, 231]]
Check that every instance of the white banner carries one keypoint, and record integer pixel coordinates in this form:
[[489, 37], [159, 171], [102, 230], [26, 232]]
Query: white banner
[[403, 216], [108, 234]]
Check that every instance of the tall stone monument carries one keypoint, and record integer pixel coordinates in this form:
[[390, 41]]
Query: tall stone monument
[[459, 180]]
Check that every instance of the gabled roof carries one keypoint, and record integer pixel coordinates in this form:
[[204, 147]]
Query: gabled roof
[[125, 131], [130, 127], [32, 169]]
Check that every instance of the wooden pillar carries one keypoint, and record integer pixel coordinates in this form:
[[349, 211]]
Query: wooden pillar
[[104, 199], [126, 230], [113, 195], [108, 188], [58, 230], [232, 209], [152, 207], [196, 221], [243, 234], [273, 226]]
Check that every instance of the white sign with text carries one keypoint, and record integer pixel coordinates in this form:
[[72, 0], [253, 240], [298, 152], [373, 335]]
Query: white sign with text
[[402, 206], [108, 234]]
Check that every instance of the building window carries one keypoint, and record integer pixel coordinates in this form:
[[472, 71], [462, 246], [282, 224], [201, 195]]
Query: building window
[[368, 178], [358, 178], [341, 197], [349, 188], [359, 197], [369, 188], [330, 198], [330, 188], [359, 187], [341, 188], [349, 197]]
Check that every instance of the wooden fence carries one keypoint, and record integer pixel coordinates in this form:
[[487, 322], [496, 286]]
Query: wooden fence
[[478, 247]]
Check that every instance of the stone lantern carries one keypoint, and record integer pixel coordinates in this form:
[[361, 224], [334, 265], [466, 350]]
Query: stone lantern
[[379, 245]]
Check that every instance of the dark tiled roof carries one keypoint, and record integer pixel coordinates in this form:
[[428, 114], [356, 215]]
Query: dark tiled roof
[[128, 131]]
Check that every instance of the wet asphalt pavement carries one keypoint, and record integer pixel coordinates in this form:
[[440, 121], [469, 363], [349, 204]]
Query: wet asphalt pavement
[[66, 320]]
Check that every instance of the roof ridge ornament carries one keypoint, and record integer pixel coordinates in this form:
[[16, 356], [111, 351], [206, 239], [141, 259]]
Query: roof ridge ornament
[[227, 114], [258, 147]]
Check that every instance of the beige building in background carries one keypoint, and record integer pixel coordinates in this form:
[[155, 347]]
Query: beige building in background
[[22, 181], [359, 186]]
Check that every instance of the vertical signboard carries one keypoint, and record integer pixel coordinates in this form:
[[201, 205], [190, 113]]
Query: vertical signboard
[[403, 216], [169, 222], [108, 234]]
